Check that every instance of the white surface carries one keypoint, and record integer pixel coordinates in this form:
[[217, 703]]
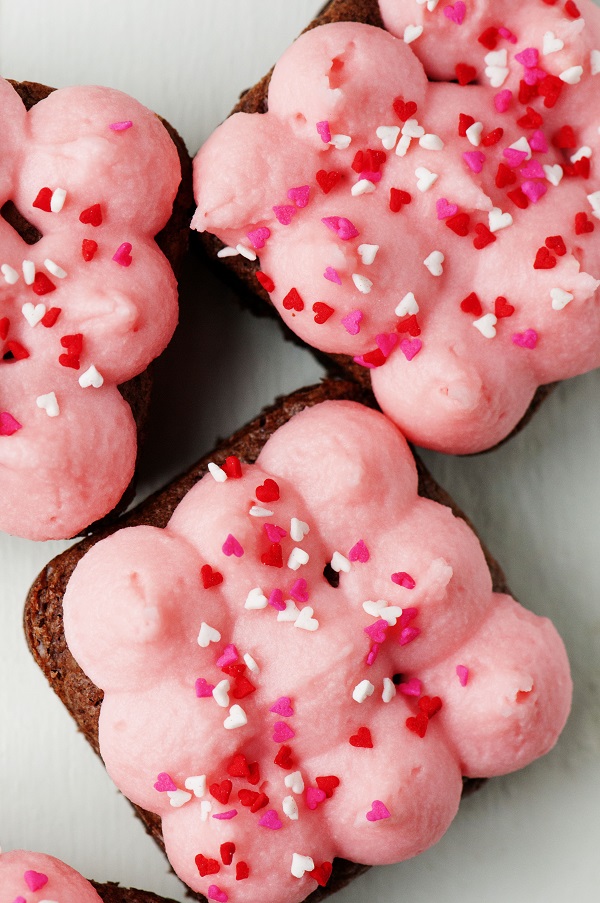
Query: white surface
[[529, 837]]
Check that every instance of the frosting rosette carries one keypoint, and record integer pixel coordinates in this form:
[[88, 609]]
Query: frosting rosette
[[425, 200], [83, 308], [37, 878], [305, 662]]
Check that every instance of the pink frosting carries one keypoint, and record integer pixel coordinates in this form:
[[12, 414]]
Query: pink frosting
[[36, 878], [456, 379], [67, 450], [160, 618]]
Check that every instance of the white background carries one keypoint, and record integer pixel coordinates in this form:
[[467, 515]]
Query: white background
[[529, 837]]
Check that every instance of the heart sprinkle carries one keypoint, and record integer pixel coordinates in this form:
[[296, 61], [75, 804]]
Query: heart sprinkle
[[378, 811]]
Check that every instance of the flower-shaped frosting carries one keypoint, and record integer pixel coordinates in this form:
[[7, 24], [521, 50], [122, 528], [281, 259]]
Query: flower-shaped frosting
[[36, 878], [83, 309], [443, 233], [304, 662]]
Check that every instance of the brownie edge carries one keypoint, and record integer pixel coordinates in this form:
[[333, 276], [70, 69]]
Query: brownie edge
[[112, 893]]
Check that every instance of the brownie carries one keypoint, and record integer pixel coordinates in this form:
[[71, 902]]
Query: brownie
[[43, 616], [112, 893]]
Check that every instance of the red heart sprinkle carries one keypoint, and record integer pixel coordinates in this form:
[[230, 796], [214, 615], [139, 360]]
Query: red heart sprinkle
[[241, 871], [235, 669], [222, 791], [232, 467], [242, 688], [274, 557], [17, 350], [322, 311], [42, 201], [418, 724], [492, 137], [375, 358], [284, 757], [73, 343], [293, 301], [253, 773], [358, 164], [50, 317], [572, 10], [398, 198], [404, 110], [489, 38], [69, 360], [502, 308], [88, 249], [238, 767], [583, 224], [322, 873], [410, 325], [327, 783], [465, 73], [464, 122], [41, 285], [260, 802], [556, 243], [527, 92], [471, 305], [483, 236], [210, 577], [91, 216], [582, 167], [4, 325], [247, 797], [361, 739], [459, 223], [550, 88], [206, 866], [430, 705], [227, 850], [531, 119], [267, 491], [564, 138], [544, 260], [265, 281], [519, 198], [327, 180], [505, 176]]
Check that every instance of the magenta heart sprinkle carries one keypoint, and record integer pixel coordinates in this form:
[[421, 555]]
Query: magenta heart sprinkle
[[474, 160], [258, 237], [332, 275], [527, 339], [507, 35], [232, 547], [121, 126], [528, 57], [503, 100], [225, 816], [386, 342], [445, 209], [324, 131], [19, 900], [342, 226], [282, 732], [456, 13], [314, 796], [373, 652], [164, 782], [538, 142], [35, 880], [228, 656], [370, 176], [410, 348], [534, 190], [215, 893], [299, 195], [377, 630], [410, 687], [359, 359], [351, 322], [274, 532], [378, 811], [408, 615], [203, 690], [283, 707], [403, 579], [408, 635], [276, 600], [8, 424], [299, 590], [514, 157], [123, 254], [463, 674], [533, 76], [359, 552], [284, 213], [270, 820], [532, 170]]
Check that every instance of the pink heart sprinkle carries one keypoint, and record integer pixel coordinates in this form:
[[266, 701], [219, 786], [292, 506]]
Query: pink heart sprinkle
[[538, 142], [532, 170], [534, 190], [403, 579], [378, 811], [283, 707], [503, 100], [259, 236], [314, 796], [445, 209], [377, 630], [463, 674], [410, 348], [299, 590], [332, 275], [351, 322], [408, 635], [274, 532], [386, 342], [528, 57], [474, 160], [344, 228], [373, 177], [121, 126], [203, 689], [215, 893], [232, 547], [527, 339], [410, 687], [408, 615], [225, 816], [228, 656], [359, 359], [282, 732], [123, 254], [35, 880], [456, 13], [359, 552], [507, 35], [276, 600], [514, 157], [270, 820], [284, 213], [19, 900], [533, 76], [8, 424], [324, 131], [299, 195], [373, 652], [164, 782]]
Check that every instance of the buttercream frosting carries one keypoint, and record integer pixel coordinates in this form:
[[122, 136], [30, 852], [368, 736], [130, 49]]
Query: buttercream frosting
[[85, 308], [426, 200], [37, 878], [305, 662]]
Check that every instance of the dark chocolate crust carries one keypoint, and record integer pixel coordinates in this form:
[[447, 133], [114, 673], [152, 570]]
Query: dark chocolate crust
[[112, 893], [241, 272], [43, 611]]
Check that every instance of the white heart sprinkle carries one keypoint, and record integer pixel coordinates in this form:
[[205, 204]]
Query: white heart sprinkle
[[57, 200], [54, 269], [389, 689], [412, 32], [391, 614], [363, 186], [340, 142], [408, 305], [178, 798], [594, 200], [551, 44], [207, 635], [595, 61], [498, 220], [91, 377], [221, 693], [363, 284], [367, 254], [256, 600], [28, 267], [205, 809], [474, 133], [522, 145], [584, 151], [217, 472], [246, 252], [554, 173], [257, 511], [431, 4], [290, 612], [560, 298], [49, 404], [362, 691], [290, 807], [251, 663], [197, 784], [496, 58], [298, 529], [373, 608], [297, 558], [412, 129], [340, 563], [434, 263], [294, 781], [236, 718], [425, 178], [572, 75], [10, 275], [305, 620], [403, 146], [301, 864], [486, 325], [388, 135], [228, 252], [33, 313], [497, 75], [431, 142]]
